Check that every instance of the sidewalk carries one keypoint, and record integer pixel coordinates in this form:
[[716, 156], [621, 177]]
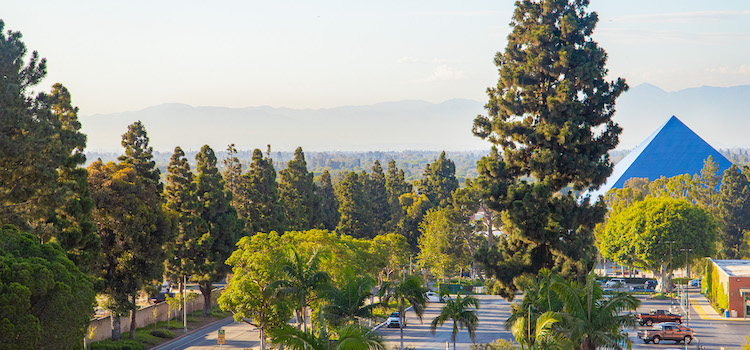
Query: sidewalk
[[703, 308]]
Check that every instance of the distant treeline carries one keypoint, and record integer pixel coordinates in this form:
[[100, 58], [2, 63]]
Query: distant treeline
[[339, 163]]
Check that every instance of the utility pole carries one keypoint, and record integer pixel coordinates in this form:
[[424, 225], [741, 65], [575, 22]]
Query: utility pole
[[184, 303], [669, 283], [687, 293]]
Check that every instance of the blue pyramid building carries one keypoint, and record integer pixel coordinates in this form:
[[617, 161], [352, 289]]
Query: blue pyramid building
[[673, 149]]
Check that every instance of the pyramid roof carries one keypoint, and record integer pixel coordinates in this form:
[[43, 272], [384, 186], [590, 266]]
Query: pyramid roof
[[673, 149]]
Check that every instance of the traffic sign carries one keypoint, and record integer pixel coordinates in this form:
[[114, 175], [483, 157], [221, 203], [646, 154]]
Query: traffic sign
[[221, 337]]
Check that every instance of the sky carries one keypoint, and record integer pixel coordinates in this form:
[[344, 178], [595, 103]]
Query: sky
[[119, 56]]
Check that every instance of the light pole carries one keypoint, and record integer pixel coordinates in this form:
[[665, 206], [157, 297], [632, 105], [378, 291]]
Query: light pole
[[687, 293], [184, 303], [669, 282]]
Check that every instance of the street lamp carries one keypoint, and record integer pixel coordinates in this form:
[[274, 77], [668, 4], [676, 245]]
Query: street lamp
[[669, 283], [687, 293]]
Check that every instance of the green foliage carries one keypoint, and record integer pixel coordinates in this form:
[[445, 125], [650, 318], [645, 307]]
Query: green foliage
[[301, 280], [232, 174], [734, 197], [262, 211], [377, 194], [297, 194], [182, 207], [441, 250], [248, 294], [498, 344], [389, 253], [396, 186], [220, 228], [439, 181], [355, 218], [350, 302], [637, 236], [162, 333], [45, 300], [329, 206], [551, 116], [131, 222], [407, 292], [110, 344], [714, 288], [413, 209], [460, 311], [349, 337]]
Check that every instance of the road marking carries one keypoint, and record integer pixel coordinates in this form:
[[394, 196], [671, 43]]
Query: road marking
[[698, 308]]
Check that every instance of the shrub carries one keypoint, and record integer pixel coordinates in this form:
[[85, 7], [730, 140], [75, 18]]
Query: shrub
[[109, 344], [162, 333], [499, 344]]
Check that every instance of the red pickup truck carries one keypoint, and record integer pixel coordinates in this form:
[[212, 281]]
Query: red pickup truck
[[658, 316]]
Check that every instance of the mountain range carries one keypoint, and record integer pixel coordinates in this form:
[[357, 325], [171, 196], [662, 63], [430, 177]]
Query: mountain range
[[716, 114]]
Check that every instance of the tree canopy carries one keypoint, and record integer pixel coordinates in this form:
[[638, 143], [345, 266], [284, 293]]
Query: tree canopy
[[551, 116]]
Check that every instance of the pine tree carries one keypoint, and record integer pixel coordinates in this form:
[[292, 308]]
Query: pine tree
[[396, 186], [131, 224], [378, 199], [551, 116], [297, 193], [439, 181], [329, 206], [354, 219], [232, 175], [182, 207], [261, 195], [734, 213], [221, 228]]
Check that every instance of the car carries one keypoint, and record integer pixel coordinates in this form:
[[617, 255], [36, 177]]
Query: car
[[393, 321], [435, 297], [666, 331], [650, 284], [615, 282], [695, 283], [657, 317], [161, 297]]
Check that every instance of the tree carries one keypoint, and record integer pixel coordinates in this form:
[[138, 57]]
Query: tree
[[233, 179], [591, 319], [390, 252], [551, 116], [413, 209], [349, 337], [460, 312], [354, 218], [349, 303], [261, 195], [378, 199], [404, 293], [220, 226], [734, 213], [441, 250], [248, 294], [301, 280], [43, 191], [638, 235], [182, 206], [395, 187], [46, 302], [439, 181], [297, 193], [131, 223], [329, 206]]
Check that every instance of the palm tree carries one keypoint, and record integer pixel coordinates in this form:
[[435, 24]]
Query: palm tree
[[408, 291], [459, 311], [591, 320], [350, 337], [543, 335], [302, 281], [349, 303]]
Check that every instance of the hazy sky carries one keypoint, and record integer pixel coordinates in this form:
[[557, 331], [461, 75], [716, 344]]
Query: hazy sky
[[127, 55]]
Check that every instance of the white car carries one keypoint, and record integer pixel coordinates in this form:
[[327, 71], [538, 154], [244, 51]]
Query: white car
[[435, 297], [393, 321], [615, 283]]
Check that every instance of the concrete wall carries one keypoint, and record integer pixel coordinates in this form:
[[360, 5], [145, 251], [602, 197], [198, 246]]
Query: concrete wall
[[736, 299], [101, 328]]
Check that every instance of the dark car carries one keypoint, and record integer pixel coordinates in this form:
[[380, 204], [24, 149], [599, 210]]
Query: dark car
[[650, 284], [161, 297]]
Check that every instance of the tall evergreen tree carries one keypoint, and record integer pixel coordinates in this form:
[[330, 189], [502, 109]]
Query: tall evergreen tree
[[329, 206], [734, 212], [182, 207], [439, 181], [42, 189], [233, 179], [131, 224], [261, 196], [378, 198], [354, 220], [297, 193], [396, 185], [551, 115], [221, 228]]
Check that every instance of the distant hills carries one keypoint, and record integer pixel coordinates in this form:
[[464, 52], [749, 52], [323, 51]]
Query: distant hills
[[719, 115]]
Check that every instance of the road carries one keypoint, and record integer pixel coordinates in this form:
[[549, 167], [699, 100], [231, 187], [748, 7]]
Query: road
[[237, 336], [493, 311]]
